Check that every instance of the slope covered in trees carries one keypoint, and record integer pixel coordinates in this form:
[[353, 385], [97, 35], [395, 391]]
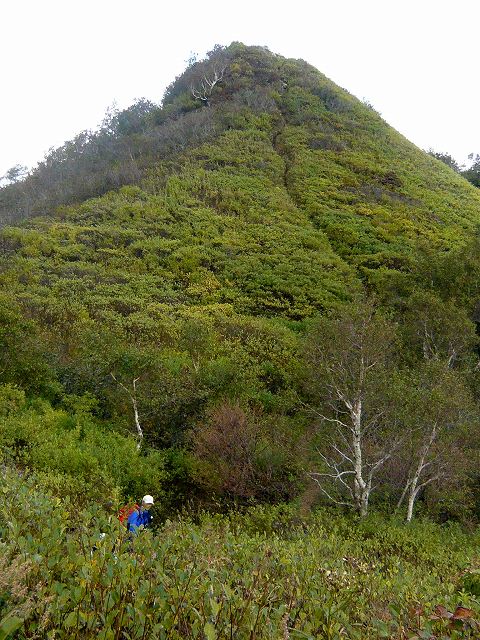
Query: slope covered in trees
[[257, 299], [472, 173], [257, 198]]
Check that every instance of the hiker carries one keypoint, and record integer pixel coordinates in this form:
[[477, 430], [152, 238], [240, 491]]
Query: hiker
[[140, 517]]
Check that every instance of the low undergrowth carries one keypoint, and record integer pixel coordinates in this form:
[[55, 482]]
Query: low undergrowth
[[262, 574]]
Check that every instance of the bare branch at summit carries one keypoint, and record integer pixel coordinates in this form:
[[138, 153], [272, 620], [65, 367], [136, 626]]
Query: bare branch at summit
[[203, 89]]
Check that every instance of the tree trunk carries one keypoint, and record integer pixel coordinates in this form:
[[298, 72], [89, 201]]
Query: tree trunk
[[133, 399], [412, 496], [361, 492], [137, 423], [364, 505], [414, 488]]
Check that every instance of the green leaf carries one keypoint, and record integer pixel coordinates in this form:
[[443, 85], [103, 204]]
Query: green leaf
[[71, 619], [382, 629], [215, 606], [209, 631], [9, 625]]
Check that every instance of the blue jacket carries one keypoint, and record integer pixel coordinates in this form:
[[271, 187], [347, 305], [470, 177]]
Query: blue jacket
[[138, 518]]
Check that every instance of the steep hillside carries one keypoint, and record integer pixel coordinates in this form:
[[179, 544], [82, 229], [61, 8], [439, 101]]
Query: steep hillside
[[301, 191], [255, 300], [261, 195]]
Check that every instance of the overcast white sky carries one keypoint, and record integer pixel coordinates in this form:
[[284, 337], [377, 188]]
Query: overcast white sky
[[64, 62]]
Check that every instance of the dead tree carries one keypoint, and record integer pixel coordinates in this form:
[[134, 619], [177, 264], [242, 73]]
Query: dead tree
[[203, 89]]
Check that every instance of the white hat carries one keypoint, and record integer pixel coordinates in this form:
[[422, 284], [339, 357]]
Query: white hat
[[147, 499]]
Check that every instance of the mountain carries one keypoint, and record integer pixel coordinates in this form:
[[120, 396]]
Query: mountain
[[253, 300], [188, 246], [283, 193]]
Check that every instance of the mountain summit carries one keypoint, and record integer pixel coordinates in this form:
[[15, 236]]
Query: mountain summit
[[259, 184]]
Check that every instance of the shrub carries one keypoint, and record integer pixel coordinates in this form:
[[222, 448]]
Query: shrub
[[233, 575]]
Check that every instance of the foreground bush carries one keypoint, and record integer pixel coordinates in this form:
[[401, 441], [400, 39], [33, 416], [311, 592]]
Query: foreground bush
[[265, 574], [73, 455]]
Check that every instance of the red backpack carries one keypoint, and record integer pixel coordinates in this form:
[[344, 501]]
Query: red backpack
[[125, 512]]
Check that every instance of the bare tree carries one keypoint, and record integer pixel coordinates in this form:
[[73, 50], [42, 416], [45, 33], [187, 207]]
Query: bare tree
[[133, 398], [202, 89], [349, 360], [243, 455]]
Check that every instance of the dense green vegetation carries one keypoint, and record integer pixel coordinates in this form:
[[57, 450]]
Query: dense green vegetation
[[257, 293], [265, 574]]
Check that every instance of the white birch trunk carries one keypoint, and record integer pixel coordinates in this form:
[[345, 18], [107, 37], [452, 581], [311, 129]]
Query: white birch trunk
[[361, 492], [136, 416], [412, 496], [414, 488], [133, 399]]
